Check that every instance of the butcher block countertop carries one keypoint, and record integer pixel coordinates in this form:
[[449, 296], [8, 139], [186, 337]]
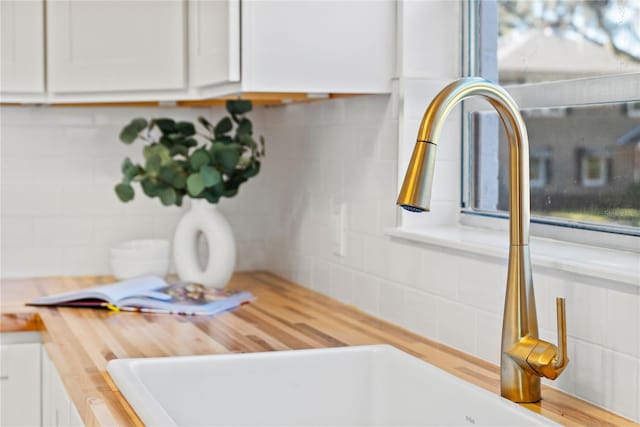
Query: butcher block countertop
[[285, 316]]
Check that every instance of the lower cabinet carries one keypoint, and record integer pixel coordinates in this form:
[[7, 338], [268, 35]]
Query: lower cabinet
[[57, 408], [20, 389], [31, 390]]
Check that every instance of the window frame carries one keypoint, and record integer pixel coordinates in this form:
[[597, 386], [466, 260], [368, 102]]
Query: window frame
[[558, 94]]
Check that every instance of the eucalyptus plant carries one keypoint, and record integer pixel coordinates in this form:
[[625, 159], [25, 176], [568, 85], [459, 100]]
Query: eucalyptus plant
[[181, 161]]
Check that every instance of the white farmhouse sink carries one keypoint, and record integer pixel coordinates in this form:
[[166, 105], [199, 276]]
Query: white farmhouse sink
[[349, 386]]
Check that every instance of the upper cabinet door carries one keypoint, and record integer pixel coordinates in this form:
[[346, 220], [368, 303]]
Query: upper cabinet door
[[108, 45], [214, 42], [318, 46], [22, 46]]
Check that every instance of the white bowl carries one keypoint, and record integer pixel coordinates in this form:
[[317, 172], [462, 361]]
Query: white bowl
[[126, 269]]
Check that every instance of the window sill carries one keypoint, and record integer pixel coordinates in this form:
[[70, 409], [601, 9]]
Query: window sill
[[575, 259]]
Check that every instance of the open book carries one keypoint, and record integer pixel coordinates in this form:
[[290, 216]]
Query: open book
[[150, 294]]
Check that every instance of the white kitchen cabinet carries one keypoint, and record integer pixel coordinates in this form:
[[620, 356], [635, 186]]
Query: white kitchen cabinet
[[57, 407], [22, 46], [214, 42], [137, 50], [20, 392], [115, 45], [318, 46]]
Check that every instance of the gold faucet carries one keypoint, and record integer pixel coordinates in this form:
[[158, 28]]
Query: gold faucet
[[524, 357]]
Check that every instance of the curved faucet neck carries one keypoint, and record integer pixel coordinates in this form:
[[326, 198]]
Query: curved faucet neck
[[439, 109]]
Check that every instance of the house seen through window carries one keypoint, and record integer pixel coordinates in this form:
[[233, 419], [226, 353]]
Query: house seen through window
[[569, 65]]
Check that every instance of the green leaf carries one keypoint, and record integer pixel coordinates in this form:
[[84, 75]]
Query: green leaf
[[215, 147], [168, 196], [166, 173], [179, 150], [252, 170], [124, 192], [186, 128], [165, 125], [130, 132], [225, 139], [228, 157], [246, 140], [166, 141], [179, 181], [245, 127], [211, 198], [199, 158], [179, 198], [195, 184], [190, 142], [206, 123], [239, 106], [210, 175], [158, 150], [230, 192], [223, 127], [153, 164], [126, 165], [151, 187]]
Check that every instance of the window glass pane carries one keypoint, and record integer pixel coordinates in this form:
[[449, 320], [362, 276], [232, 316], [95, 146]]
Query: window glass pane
[[584, 164], [585, 146], [543, 40]]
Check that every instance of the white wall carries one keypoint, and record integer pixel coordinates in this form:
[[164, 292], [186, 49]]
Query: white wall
[[345, 150], [59, 214]]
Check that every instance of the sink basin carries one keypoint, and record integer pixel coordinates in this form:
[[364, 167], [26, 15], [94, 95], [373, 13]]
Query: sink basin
[[348, 386]]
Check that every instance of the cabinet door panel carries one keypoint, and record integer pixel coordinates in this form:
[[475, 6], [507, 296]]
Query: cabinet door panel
[[214, 42], [20, 384], [22, 46], [318, 46], [103, 46]]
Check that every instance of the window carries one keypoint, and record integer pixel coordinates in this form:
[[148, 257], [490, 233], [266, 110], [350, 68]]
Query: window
[[539, 167], [573, 66], [594, 169]]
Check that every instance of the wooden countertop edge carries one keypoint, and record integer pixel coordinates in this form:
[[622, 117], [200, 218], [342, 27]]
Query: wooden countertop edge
[[100, 403]]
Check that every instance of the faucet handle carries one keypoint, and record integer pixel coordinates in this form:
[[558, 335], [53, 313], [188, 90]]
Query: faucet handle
[[561, 359], [546, 359]]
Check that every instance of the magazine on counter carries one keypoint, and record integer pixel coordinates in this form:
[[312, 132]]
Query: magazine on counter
[[150, 294]]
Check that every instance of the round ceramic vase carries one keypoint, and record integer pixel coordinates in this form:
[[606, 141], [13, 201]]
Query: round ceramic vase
[[204, 218]]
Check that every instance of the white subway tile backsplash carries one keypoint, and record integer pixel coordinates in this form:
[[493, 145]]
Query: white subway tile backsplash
[[341, 284], [19, 262], [457, 326], [403, 262], [622, 322], [447, 177], [482, 285], [440, 273], [421, 313], [590, 371], [392, 302], [16, 232], [586, 311], [366, 292], [19, 200], [375, 261], [321, 276], [82, 260], [621, 384], [488, 336], [62, 232]]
